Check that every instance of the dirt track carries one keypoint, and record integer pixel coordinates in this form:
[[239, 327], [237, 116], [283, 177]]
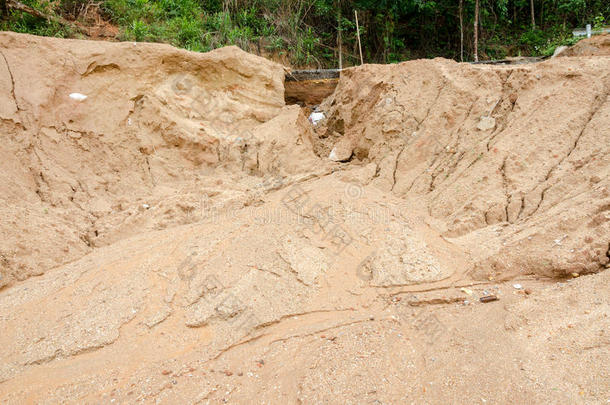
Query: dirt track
[[181, 235]]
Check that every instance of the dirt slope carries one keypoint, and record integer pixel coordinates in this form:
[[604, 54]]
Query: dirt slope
[[515, 158], [597, 45], [76, 174], [192, 241]]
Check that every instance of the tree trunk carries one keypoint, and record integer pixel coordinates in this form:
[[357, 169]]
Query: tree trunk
[[533, 19], [339, 35], [17, 5], [3, 9], [476, 31], [514, 13], [461, 32]]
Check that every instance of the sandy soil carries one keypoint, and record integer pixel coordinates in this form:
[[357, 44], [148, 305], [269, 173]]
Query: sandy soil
[[597, 45], [183, 236]]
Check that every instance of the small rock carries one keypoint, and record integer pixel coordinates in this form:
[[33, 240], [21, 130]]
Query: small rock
[[166, 372], [488, 298], [559, 50], [466, 291], [486, 123], [342, 151]]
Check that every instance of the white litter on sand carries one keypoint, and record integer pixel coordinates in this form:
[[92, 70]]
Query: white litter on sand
[[78, 96], [316, 117]]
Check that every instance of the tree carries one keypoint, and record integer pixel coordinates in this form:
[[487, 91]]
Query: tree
[[476, 31], [461, 32], [339, 40], [533, 19]]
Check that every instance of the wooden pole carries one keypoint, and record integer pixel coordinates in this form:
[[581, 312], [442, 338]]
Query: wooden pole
[[532, 11], [476, 31], [358, 32]]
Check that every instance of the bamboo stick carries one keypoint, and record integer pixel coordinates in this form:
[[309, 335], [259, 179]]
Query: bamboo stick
[[358, 32]]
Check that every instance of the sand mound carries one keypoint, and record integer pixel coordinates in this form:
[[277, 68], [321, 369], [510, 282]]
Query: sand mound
[[598, 45], [78, 174], [193, 242], [513, 162]]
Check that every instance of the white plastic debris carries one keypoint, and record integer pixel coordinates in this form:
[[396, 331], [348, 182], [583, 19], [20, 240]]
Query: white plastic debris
[[77, 96], [145, 206], [316, 117], [517, 286]]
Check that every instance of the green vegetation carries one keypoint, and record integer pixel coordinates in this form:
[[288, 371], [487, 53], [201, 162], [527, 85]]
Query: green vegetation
[[304, 32]]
